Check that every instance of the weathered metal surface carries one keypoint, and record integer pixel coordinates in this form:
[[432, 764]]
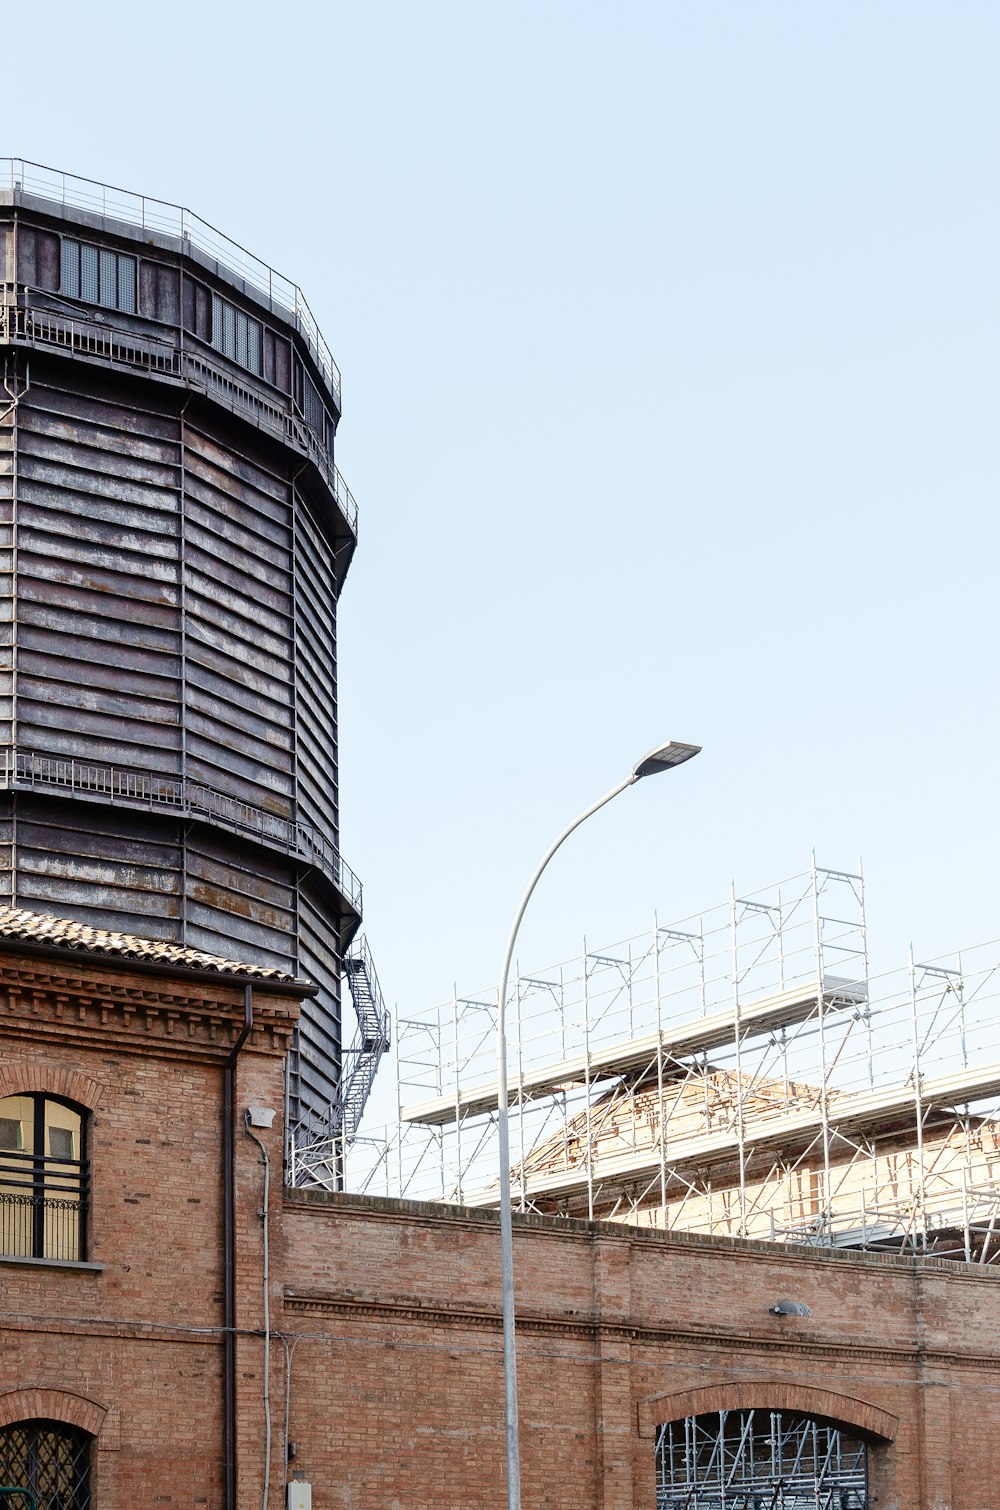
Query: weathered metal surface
[[152, 222], [320, 1036], [170, 328], [172, 538], [104, 868]]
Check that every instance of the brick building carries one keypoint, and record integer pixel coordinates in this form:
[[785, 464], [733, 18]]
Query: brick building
[[383, 1364]]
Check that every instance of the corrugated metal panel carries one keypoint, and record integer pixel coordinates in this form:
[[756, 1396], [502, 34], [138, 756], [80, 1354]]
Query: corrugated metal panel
[[98, 569], [100, 866], [239, 625], [320, 1031], [236, 893]]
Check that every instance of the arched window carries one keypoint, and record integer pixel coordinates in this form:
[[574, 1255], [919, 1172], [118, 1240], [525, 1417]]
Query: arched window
[[759, 1460], [44, 1180], [49, 1459]]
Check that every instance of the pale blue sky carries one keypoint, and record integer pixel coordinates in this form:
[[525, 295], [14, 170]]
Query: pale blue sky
[[670, 343]]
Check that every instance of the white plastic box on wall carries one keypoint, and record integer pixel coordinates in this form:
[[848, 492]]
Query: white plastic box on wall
[[300, 1495]]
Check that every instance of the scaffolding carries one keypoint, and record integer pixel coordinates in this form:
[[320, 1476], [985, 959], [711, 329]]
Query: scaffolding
[[737, 1072], [758, 1460]]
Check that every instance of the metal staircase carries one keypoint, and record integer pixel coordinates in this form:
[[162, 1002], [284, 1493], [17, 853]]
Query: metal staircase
[[362, 1059]]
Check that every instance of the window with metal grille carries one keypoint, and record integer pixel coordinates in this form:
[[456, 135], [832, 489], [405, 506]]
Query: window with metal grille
[[98, 275], [50, 1461], [44, 1178], [314, 409], [237, 336], [759, 1460]]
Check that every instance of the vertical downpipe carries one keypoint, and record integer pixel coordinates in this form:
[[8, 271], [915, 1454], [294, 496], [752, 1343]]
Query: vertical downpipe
[[229, 1255]]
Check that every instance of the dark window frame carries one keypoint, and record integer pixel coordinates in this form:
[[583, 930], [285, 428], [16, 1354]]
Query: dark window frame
[[237, 335], [99, 275], [50, 1460], [54, 1178], [313, 409]]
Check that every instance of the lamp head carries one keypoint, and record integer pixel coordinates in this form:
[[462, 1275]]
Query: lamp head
[[664, 758], [790, 1308]]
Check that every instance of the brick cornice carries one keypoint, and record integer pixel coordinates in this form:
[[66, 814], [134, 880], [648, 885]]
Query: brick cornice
[[704, 1339], [704, 1344], [138, 1013]]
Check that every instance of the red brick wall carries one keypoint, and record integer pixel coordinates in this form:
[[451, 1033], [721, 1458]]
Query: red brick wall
[[138, 1339], [622, 1330], [391, 1309]]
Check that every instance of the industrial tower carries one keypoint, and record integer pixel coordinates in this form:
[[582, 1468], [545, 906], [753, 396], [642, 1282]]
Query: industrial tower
[[175, 536]]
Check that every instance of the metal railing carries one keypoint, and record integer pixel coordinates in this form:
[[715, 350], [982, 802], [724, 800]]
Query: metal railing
[[317, 1149], [18, 322], [21, 770], [371, 1041], [72, 192], [41, 1226], [27, 1496], [21, 322]]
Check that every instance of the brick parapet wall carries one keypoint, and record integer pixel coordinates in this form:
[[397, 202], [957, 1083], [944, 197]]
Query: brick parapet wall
[[614, 1324]]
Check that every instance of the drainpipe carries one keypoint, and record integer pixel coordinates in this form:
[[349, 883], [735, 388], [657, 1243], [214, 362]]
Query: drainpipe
[[265, 1213], [229, 1254]]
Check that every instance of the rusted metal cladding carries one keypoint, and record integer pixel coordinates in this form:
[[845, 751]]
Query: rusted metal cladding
[[173, 537]]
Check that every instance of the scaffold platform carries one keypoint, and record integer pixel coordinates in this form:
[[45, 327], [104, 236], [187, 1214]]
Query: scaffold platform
[[742, 1071], [636, 1055]]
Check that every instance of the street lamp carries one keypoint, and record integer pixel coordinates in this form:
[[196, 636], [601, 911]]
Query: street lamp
[[663, 758]]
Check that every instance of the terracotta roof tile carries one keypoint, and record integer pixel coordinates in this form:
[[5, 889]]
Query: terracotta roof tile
[[44, 928]]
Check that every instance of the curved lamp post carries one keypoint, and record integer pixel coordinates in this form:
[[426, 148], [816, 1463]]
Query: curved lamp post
[[663, 758]]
